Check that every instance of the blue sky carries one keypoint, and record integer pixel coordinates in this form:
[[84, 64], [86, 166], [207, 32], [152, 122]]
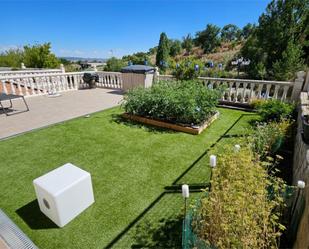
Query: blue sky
[[106, 28]]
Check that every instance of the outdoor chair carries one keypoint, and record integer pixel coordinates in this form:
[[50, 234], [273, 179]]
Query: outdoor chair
[[10, 97]]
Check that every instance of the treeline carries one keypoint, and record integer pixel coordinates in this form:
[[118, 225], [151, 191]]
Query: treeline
[[36, 56], [279, 45]]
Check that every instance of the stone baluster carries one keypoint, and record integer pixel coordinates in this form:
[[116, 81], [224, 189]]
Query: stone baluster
[[77, 81], [277, 87], [230, 91], [268, 86], [12, 86], [43, 85], [4, 88], [65, 82], [259, 90], [251, 95], [285, 92], [236, 92], [20, 91], [31, 83], [36, 84], [243, 99]]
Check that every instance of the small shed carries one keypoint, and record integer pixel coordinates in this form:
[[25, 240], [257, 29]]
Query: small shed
[[137, 75]]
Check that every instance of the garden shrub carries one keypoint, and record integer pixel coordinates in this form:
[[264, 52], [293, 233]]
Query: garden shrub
[[267, 138], [187, 70], [238, 212], [273, 110], [183, 102]]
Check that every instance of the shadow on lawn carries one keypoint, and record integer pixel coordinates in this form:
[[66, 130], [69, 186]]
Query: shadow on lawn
[[33, 217], [117, 118], [166, 234], [141, 240]]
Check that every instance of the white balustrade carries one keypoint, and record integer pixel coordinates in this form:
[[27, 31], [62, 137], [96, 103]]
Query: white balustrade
[[30, 72], [110, 80], [39, 84], [245, 91]]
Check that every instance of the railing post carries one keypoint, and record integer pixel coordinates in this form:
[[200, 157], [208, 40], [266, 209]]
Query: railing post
[[298, 85], [62, 68], [306, 85]]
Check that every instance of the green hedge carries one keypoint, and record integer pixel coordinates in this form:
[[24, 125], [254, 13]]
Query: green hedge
[[183, 102], [274, 110]]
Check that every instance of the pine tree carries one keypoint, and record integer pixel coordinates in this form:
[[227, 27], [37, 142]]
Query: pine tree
[[290, 63], [163, 51]]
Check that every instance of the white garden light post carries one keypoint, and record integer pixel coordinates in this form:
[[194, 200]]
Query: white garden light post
[[300, 186], [237, 148], [185, 194], [213, 161]]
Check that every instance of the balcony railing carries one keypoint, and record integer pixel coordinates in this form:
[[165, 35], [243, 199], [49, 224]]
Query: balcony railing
[[244, 91], [40, 84], [241, 91]]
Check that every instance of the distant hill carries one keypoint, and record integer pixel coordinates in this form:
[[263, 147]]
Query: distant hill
[[75, 59]]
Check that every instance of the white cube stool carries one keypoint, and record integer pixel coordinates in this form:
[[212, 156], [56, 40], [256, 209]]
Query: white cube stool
[[64, 193]]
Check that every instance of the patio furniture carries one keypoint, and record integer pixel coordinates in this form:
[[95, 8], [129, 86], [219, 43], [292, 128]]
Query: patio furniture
[[10, 97], [11, 237], [64, 193]]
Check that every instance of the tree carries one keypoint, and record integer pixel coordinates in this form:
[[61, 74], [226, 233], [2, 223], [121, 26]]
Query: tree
[[175, 47], [137, 58], [290, 63], [163, 51], [11, 58], [229, 32], [114, 65], [247, 30], [208, 39], [40, 56], [153, 50], [283, 21], [187, 42]]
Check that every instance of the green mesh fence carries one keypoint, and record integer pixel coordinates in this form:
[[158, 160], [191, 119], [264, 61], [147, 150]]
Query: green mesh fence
[[190, 240], [294, 201]]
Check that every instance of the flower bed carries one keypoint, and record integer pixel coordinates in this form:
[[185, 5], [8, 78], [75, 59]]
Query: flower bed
[[182, 105], [195, 130]]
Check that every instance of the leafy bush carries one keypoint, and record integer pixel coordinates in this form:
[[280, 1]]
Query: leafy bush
[[114, 65], [185, 102], [273, 110], [267, 139], [217, 73], [238, 212], [187, 70]]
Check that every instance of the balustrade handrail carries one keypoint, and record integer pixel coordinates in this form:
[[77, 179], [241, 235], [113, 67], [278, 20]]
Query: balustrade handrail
[[248, 81], [39, 75], [235, 79], [39, 71]]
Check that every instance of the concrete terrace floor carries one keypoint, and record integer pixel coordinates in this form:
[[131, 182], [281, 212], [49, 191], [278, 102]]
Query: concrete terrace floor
[[46, 110]]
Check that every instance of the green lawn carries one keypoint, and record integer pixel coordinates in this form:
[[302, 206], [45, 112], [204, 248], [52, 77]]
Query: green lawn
[[130, 166]]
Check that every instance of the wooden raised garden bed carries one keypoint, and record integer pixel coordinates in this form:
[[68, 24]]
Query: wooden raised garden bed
[[187, 129]]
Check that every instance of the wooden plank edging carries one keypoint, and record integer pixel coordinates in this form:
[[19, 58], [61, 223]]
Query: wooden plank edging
[[162, 124]]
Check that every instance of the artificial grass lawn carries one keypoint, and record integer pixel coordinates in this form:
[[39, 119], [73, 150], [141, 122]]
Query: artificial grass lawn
[[130, 165]]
